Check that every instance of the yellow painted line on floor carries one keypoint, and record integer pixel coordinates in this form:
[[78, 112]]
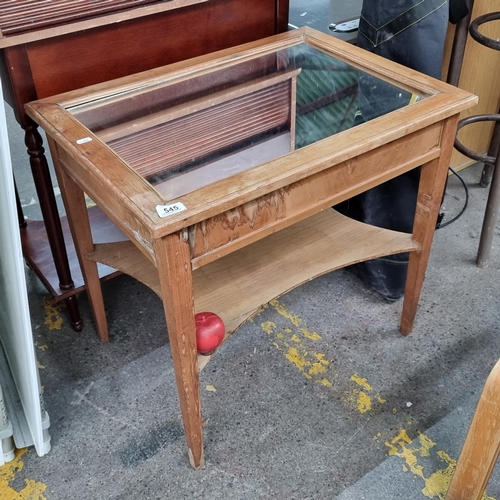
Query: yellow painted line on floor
[[297, 344], [32, 491], [411, 452], [52, 317], [364, 400], [361, 382], [295, 320], [292, 342], [361, 399]]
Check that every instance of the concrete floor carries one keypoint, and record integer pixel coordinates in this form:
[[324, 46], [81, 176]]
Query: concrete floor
[[319, 396]]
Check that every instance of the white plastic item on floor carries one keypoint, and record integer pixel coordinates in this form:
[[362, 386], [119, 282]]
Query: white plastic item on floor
[[20, 403]]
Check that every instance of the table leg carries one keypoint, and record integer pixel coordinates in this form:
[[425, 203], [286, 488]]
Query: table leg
[[48, 206], [23, 90], [430, 191], [78, 219], [176, 281]]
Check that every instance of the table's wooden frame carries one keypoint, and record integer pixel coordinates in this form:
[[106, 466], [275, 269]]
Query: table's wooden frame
[[209, 256]]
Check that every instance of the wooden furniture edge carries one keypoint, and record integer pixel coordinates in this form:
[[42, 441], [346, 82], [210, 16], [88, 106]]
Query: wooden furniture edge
[[261, 179], [73, 27], [177, 70], [353, 55], [378, 65]]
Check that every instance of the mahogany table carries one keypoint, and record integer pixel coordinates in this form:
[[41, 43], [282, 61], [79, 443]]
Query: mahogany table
[[55, 46], [221, 171]]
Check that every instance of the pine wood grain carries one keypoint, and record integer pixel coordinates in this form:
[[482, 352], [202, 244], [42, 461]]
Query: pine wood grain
[[430, 194], [176, 284], [78, 219]]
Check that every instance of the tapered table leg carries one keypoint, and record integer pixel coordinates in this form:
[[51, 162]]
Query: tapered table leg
[[432, 182], [79, 223], [176, 281]]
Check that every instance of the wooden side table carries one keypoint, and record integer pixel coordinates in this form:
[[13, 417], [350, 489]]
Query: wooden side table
[[71, 44], [222, 172]]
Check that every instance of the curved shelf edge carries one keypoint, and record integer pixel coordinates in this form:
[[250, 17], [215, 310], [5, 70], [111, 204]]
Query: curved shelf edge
[[238, 285]]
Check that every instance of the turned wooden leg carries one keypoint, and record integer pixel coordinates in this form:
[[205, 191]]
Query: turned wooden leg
[[74, 313], [78, 219], [176, 281], [430, 191], [48, 206], [18, 63]]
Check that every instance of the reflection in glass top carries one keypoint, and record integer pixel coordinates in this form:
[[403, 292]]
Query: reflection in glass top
[[185, 133]]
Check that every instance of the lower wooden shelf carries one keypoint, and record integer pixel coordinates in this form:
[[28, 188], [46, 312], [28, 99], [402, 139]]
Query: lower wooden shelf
[[240, 284], [38, 255]]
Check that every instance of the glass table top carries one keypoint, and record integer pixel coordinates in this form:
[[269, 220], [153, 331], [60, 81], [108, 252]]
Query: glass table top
[[189, 130]]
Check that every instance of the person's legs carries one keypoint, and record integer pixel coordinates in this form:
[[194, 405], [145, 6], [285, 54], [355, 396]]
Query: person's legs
[[412, 33]]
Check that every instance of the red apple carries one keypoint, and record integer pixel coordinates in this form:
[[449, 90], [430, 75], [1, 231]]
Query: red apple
[[210, 331]]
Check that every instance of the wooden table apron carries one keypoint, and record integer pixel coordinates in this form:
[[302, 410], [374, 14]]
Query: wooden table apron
[[251, 237]]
